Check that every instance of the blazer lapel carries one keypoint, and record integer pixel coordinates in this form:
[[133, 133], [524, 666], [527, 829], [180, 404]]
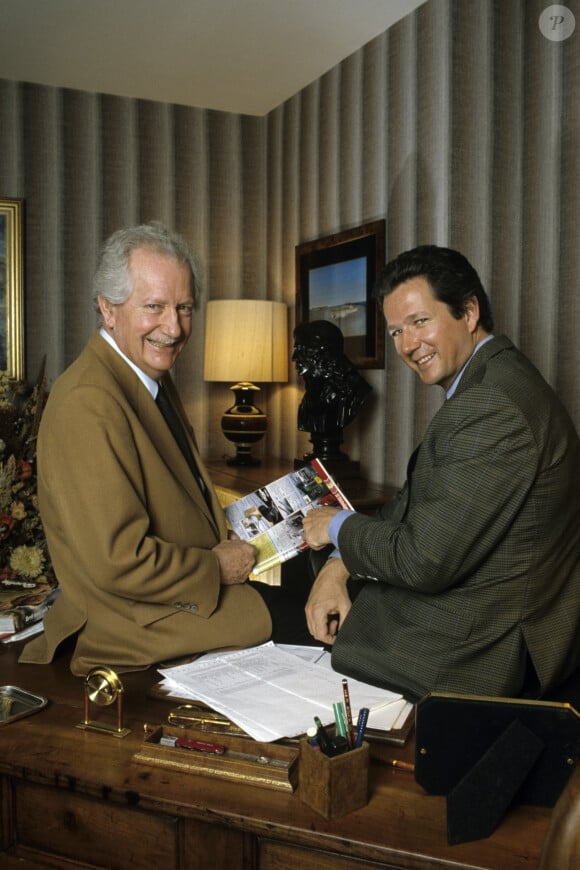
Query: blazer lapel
[[143, 404]]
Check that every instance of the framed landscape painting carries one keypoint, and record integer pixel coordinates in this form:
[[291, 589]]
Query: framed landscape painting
[[335, 277], [11, 289]]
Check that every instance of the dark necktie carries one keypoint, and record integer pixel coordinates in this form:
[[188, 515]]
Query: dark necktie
[[178, 432]]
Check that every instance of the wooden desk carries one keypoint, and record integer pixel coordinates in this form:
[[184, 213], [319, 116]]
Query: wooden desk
[[364, 496], [70, 796]]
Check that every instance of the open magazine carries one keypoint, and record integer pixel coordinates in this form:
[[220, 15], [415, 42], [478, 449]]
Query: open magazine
[[271, 517]]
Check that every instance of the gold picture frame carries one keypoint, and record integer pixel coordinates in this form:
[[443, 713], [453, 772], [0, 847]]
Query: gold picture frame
[[11, 288]]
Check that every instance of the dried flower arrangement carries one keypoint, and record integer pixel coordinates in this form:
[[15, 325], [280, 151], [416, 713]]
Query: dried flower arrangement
[[25, 568]]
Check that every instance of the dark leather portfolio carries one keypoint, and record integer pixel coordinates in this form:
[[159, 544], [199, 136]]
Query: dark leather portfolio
[[485, 754]]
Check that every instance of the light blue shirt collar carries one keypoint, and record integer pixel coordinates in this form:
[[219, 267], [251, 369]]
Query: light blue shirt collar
[[148, 382], [455, 383]]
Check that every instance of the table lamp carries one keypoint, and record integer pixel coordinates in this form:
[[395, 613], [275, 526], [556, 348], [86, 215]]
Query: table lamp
[[246, 340]]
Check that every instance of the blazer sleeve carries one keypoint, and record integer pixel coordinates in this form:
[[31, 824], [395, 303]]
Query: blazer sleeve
[[471, 476]]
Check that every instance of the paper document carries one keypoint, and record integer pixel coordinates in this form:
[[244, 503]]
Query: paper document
[[272, 693]]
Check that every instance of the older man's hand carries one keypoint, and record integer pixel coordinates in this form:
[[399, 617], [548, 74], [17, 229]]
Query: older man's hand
[[236, 559], [315, 526]]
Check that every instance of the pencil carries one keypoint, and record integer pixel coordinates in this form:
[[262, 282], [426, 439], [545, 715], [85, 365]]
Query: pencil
[[347, 707], [395, 762]]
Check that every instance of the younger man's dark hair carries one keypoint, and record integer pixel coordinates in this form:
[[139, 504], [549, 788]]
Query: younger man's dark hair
[[451, 277]]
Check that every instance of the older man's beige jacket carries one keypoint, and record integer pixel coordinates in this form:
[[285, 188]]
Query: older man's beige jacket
[[129, 531]]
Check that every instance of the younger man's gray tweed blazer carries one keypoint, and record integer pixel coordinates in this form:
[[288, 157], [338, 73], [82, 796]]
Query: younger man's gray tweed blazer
[[477, 562]]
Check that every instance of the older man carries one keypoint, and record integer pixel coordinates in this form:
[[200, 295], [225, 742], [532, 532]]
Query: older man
[[470, 580], [135, 531]]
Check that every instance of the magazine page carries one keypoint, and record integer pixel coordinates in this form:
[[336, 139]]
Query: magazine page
[[271, 517]]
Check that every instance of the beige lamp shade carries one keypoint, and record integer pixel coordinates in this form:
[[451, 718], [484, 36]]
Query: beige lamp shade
[[246, 340]]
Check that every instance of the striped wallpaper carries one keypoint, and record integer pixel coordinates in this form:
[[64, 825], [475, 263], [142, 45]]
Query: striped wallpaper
[[459, 125]]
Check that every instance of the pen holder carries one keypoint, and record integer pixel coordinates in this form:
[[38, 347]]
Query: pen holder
[[334, 786]]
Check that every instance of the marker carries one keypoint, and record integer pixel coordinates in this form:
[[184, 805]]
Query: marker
[[322, 736], [338, 745], [363, 716], [312, 734], [340, 720], [350, 727]]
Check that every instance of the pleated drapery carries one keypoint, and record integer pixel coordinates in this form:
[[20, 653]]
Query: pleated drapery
[[459, 125]]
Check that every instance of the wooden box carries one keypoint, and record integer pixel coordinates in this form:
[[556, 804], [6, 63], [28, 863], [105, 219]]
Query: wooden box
[[334, 786]]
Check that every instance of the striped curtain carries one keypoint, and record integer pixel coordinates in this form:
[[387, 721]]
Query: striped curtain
[[459, 125]]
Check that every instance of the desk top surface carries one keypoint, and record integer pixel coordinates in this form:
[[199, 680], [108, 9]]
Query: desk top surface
[[400, 824]]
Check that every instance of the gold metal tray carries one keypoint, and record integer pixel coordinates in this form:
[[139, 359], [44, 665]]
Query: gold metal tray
[[243, 760], [16, 703]]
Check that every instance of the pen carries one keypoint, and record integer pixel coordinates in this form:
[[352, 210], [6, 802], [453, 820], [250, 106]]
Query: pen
[[349, 726], [361, 725]]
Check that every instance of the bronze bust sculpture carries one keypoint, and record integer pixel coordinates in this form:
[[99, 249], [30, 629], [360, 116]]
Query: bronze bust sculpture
[[335, 391]]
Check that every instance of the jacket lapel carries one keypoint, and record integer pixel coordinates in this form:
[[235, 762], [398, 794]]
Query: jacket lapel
[[143, 405]]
